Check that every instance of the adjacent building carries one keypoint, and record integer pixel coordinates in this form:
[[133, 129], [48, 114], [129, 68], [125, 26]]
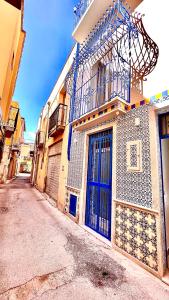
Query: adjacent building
[[14, 138], [50, 158], [12, 38], [107, 167], [25, 158]]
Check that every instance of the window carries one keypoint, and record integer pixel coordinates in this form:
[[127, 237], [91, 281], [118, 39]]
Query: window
[[134, 156]]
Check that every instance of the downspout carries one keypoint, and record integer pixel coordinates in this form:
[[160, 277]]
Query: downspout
[[71, 115], [37, 156], [46, 139]]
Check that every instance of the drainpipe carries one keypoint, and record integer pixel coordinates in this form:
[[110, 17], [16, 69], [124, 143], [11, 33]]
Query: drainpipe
[[73, 101], [46, 139], [37, 157]]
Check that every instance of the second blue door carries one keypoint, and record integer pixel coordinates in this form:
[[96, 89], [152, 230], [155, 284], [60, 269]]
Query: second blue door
[[99, 183]]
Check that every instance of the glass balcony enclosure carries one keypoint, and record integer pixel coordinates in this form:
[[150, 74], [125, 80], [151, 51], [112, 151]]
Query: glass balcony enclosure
[[40, 139], [57, 120], [10, 126]]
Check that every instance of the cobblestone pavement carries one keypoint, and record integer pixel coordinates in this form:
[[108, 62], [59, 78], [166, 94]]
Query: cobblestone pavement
[[44, 255]]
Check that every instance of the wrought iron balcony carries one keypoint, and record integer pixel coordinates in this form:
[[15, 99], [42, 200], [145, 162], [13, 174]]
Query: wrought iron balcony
[[113, 62], [88, 14], [104, 113], [80, 9], [57, 121], [40, 139], [104, 86]]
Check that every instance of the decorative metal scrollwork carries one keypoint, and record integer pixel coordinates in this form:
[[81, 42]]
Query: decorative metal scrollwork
[[116, 57]]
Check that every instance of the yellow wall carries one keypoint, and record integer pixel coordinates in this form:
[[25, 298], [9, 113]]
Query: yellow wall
[[12, 39], [25, 160], [25, 150], [13, 139], [42, 157], [42, 154]]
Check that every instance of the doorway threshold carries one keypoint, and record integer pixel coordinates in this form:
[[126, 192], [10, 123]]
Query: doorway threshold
[[97, 235]]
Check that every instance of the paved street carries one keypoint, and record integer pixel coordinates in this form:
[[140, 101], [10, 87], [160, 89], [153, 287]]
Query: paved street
[[44, 255]]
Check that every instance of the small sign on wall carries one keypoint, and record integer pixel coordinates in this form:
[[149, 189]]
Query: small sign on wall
[[134, 156]]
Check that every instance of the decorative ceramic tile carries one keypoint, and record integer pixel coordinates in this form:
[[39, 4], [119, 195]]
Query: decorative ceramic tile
[[134, 156], [134, 187], [135, 233], [75, 165]]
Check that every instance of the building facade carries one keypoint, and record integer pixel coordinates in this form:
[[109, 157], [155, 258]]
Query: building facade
[[12, 38], [14, 138], [50, 162], [114, 183], [115, 145], [25, 158]]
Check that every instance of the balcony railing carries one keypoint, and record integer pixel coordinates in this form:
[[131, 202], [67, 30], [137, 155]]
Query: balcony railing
[[57, 120], [80, 9], [114, 60], [104, 86]]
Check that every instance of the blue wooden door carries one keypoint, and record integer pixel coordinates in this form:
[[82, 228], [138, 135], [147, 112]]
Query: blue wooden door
[[99, 183]]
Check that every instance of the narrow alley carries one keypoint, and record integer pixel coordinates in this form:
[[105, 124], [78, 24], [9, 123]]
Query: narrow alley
[[44, 255]]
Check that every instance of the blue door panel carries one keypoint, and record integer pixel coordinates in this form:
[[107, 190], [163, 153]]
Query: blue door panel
[[99, 183], [72, 206]]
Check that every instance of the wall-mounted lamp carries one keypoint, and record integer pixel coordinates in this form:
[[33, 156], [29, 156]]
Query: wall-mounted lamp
[[137, 122]]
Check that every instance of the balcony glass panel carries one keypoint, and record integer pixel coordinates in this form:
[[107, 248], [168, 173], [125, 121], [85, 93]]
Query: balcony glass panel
[[57, 120], [13, 116], [40, 138]]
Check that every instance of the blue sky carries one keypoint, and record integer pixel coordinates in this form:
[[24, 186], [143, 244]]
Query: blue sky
[[48, 26]]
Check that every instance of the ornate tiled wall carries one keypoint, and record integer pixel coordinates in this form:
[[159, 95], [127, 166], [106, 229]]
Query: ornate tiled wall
[[134, 187], [75, 166], [136, 233]]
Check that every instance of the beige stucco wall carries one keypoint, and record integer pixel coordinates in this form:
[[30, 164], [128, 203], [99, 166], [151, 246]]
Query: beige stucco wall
[[41, 160]]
